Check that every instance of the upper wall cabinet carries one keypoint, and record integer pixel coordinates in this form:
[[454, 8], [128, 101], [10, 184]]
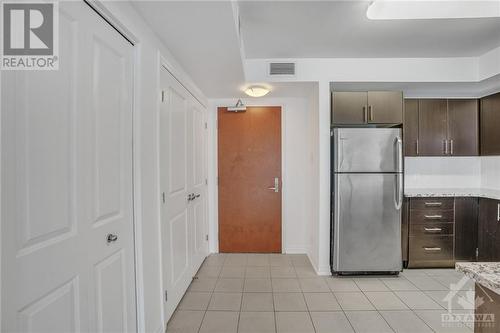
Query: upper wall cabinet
[[410, 127], [463, 127], [373, 107], [490, 121], [432, 127], [440, 127]]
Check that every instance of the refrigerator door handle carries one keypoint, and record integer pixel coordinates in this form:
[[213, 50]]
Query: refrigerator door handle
[[398, 191], [399, 154]]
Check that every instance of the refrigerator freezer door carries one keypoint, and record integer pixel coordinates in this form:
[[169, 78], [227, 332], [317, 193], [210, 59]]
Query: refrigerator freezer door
[[367, 150], [367, 223]]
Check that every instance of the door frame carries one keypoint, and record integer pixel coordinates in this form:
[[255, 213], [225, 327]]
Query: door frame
[[214, 228]]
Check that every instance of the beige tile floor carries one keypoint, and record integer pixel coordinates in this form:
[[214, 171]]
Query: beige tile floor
[[275, 293]]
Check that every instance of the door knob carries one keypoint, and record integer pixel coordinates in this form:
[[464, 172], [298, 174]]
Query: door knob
[[111, 238]]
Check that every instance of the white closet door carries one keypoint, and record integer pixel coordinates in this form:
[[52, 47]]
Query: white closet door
[[182, 174], [199, 243], [67, 184]]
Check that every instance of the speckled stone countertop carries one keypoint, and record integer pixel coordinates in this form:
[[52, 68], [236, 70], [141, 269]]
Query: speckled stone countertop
[[486, 274], [452, 192]]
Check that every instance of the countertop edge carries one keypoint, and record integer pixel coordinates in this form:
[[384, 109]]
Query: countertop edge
[[477, 272], [451, 192]]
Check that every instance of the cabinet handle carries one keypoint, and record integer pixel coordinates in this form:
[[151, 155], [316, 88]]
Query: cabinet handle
[[445, 147], [433, 229], [451, 147], [498, 212], [432, 248], [433, 217], [416, 143], [433, 204], [365, 114], [370, 112]]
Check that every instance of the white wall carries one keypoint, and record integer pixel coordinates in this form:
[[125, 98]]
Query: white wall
[[490, 172], [313, 195], [147, 219], [442, 172], [453, 172], [296, 170], [373, 70]]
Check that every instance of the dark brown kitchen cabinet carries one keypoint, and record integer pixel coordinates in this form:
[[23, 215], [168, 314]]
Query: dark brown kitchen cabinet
[[373, 107], [349, 107], [488, 308], [410, 127], [431, 232], [441, 127], [490, 125], [466, 215], [405, 230], [432, 127], [489, 230], [463, 127], [385, 107]]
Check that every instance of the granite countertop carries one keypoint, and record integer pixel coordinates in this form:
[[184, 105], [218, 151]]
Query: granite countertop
[[486, 274], [452, 192]]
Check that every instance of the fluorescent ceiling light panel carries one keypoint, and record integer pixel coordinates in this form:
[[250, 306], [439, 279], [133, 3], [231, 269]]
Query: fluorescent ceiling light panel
[[432, 9]]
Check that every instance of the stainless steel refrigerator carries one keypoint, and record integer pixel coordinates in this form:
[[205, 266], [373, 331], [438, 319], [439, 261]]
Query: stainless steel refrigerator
[[367, 195]]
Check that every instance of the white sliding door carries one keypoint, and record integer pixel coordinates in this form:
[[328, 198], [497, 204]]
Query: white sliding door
[[183, 188], [67, 224]]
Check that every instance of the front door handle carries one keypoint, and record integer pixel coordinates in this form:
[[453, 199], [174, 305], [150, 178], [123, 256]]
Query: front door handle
[[276, 187]]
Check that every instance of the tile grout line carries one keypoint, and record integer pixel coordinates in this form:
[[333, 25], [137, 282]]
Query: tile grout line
[[241, 303], [305, 301], [213, 291], [380, 314], [363, 292]]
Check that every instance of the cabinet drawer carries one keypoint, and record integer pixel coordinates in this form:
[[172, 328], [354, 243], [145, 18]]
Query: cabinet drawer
[[432, 203], [431, 229], [427, 216], [431, 251]]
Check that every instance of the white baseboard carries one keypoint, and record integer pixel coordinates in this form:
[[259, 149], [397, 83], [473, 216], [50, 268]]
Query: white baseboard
[[325, 270], [295, 250], [322, 270]]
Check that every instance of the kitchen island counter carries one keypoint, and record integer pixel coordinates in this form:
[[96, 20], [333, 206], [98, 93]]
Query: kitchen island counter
[[486, 274]]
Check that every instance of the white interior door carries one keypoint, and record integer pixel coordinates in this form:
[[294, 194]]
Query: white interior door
[[182, 184], [198, 182], [67, 184]]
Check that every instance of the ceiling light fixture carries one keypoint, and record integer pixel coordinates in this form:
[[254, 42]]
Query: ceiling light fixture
[[256, 91], [437, 9]]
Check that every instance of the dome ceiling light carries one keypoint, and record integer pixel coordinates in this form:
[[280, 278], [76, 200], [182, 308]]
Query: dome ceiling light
[[256, 91]]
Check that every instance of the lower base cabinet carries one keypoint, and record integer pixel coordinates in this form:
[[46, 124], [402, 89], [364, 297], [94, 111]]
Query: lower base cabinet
[[441, 231], [431, 232], [466, 228], [487, 312], [489, 230]]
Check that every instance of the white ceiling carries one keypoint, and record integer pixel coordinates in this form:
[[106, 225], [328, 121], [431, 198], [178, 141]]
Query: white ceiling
[[202, 36], [427, 89], [337, 29]]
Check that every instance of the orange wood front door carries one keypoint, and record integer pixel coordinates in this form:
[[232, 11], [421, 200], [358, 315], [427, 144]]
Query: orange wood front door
[[249, 160]]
